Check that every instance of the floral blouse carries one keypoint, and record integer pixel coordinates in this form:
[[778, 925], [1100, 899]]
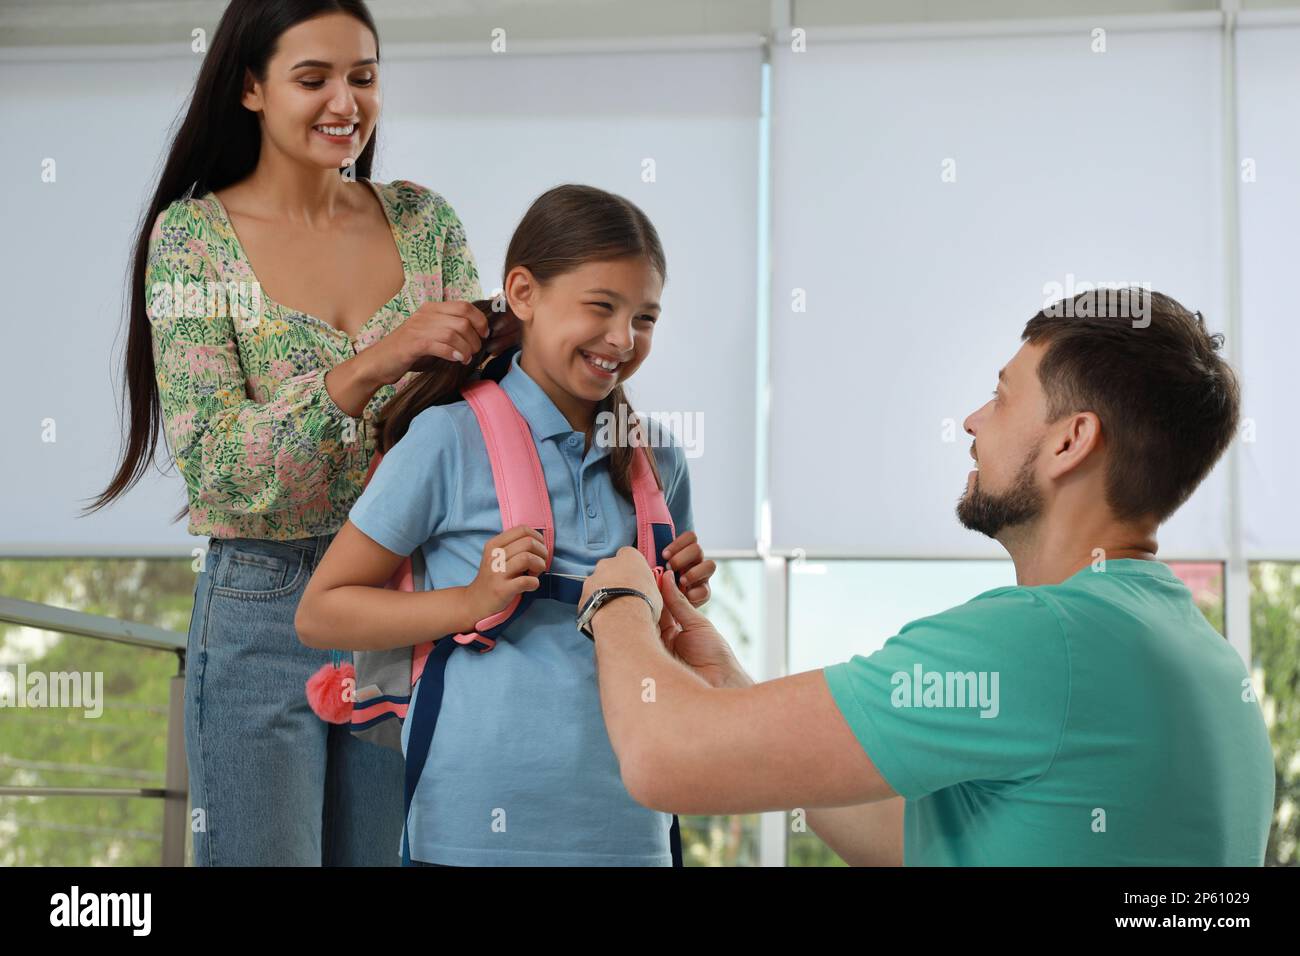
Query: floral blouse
[[263, 449]]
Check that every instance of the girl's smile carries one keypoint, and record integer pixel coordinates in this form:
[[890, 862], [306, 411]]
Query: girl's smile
[[601, 366]]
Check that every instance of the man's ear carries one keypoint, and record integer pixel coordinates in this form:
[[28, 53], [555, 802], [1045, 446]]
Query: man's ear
[[1075, 438]]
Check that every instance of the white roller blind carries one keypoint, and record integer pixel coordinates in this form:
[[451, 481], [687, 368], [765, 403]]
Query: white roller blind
[[1268, 63], [490, 134], [1103, 166], [64, 257]]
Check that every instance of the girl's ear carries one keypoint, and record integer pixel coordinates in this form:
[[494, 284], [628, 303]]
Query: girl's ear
[[521, 291]]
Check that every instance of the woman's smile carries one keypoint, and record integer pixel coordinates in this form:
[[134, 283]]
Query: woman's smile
[[343, 133]]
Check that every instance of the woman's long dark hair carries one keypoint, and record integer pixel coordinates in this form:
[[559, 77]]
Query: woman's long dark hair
[[564, 228], [218, 144]]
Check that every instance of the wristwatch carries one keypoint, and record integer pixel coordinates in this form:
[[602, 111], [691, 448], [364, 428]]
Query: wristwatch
[[598, 600]]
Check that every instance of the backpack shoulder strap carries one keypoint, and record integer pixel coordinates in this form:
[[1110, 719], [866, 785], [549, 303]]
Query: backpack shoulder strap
[[654, 522], [516, 471]]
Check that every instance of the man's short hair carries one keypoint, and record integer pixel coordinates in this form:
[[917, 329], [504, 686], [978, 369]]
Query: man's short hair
[[1168, 402]]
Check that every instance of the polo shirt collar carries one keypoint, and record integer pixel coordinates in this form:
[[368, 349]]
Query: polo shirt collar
[[544, 419]]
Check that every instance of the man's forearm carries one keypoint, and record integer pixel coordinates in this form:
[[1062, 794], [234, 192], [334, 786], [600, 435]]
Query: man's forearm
[[866, 834], [636, 674]]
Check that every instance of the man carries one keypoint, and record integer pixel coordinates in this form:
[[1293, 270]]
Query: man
[[1087, 716]]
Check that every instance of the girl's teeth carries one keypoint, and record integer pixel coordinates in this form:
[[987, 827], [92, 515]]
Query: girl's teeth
[[607, 366], [337, 130]]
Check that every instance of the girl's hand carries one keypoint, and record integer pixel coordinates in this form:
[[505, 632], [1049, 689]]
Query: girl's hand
[[511, 563], [436, 331], [693, 572]]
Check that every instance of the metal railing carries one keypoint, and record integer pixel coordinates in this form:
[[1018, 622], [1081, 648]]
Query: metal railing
[[175, 790]]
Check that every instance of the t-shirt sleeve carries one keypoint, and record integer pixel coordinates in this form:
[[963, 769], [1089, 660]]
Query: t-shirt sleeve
[[415, 487], [977, 693]]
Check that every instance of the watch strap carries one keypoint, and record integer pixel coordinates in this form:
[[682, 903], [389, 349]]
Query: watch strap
[[602, 597]]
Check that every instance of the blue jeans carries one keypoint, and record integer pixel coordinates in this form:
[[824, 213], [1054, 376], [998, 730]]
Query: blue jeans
[[275, 784]]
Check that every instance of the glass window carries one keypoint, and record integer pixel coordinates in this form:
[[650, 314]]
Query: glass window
[[126, 745], [1205, 580], [736, 610], [1275, 655], [118, 742]]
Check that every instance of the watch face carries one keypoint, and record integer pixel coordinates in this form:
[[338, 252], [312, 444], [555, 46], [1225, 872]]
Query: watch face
[[596, 602], [584, 618]]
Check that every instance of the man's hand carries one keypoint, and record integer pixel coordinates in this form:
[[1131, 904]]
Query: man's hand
[[626, 569], [693, 572], [692, 639]]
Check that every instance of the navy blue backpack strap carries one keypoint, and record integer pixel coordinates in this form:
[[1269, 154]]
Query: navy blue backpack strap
[[423, 719]]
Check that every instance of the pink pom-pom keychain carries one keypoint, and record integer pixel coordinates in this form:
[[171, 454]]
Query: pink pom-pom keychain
[[330, 690]]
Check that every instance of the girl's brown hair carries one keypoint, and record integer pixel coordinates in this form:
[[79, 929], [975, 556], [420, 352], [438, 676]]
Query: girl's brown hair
[[563, 229]]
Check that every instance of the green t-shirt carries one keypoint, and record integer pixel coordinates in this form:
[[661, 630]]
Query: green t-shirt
[[1099, 721]]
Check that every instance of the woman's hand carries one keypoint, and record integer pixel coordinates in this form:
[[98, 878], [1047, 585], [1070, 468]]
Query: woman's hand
[[691, 638], [436, 331], [511, 564], [693, 572]]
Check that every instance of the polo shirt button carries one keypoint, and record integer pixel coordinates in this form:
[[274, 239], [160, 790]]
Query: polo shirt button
[[591, 512], [573, 440]]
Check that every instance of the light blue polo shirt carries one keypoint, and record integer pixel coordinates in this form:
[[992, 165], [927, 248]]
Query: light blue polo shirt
[[520, 771], [1097, 722]]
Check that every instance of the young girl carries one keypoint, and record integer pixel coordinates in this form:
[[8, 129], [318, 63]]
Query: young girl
[[520, 770]]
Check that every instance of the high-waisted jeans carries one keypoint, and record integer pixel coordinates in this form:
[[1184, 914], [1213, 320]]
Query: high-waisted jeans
[[271, 784]]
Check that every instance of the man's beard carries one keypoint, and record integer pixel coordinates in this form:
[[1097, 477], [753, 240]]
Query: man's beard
[[989, 513]]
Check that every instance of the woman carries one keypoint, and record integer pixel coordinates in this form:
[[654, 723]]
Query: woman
[[269, 340]]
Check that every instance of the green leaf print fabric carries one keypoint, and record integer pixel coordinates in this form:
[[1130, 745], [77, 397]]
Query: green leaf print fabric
[[262, 447]]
